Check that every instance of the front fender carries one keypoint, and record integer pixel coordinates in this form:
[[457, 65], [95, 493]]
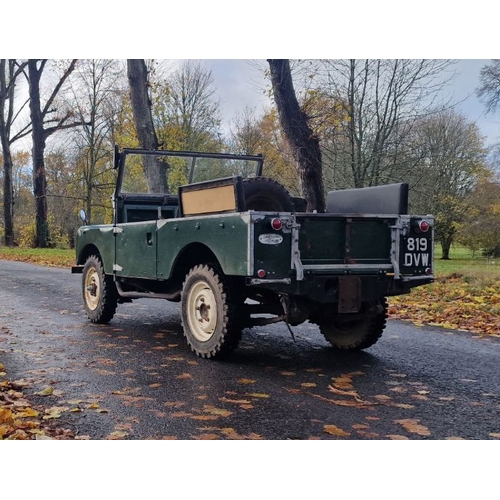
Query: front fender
[[100, 240]]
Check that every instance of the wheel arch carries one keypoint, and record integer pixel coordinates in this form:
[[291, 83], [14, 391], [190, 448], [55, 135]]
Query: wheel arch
[[92, 249], [191, 255]]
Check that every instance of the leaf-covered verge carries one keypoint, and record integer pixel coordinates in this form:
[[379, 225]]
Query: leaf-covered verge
[[465, 295], [19, 420], [455, 301]]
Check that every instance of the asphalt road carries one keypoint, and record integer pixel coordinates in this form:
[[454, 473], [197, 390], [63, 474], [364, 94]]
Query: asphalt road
[[136, 378]]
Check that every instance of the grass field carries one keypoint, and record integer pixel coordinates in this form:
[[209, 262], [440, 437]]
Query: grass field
[[464, 262], [465, 295]]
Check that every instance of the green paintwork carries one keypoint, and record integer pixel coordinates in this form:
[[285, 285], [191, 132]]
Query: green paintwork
[[225, 235], [136, 249], [274, 259], [98, 236], [344, 240]]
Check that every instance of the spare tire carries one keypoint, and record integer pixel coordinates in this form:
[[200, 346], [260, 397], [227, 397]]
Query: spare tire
[[266, 195]]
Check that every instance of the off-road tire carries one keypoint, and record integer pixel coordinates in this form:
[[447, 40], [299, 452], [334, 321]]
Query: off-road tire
[[209, 318], [266, 195], [362, 332], [100, 297]]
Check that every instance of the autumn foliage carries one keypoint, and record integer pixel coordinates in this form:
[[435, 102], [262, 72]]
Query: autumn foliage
[[21, 421], [455, 301]]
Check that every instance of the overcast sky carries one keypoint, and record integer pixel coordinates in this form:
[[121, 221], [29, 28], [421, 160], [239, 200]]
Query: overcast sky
[[239, 84]]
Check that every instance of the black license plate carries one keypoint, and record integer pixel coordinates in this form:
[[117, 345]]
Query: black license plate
[[415, 255]]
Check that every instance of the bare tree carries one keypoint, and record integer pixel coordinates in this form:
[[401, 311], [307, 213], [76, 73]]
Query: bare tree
[[302, 140], [156, 172], [94, 99], [246, 133], [45, 121], [185, 107], [10, 70], [490, 85], [380, 100]]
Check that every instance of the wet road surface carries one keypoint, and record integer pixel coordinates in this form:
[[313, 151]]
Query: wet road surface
[[137, 379]]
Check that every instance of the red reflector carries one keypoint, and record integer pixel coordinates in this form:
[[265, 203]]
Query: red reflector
[[276, 224], [261, 273], [423, 226]]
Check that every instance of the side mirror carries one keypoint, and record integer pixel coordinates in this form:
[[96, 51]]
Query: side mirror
[[83, 216]]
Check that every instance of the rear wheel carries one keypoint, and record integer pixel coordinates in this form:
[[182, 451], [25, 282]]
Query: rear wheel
[[209, 317], [100, 297], [358, 331]]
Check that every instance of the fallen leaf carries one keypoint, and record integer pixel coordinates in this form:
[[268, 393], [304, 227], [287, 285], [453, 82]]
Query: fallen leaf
[[235, 401], [230, 433], [117, 435], [5, 415], [217, 411], [48, 391], [54, 412], [447, 398], [246, 381], [382, 397], [254, 436], [360, 426], [206, 437], [413, 425], [335, 431], [28, 412]]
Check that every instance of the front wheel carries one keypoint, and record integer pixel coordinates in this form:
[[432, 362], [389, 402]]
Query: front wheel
[[100, 297], [360, 331], [208, 316]]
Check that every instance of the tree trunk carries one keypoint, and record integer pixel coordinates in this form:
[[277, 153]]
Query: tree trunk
[[39, 175], [8, 199], [445, 247], [156, 171], [304, 144]]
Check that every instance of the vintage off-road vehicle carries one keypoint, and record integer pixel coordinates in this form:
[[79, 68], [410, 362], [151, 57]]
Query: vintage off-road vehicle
[[238, 251]]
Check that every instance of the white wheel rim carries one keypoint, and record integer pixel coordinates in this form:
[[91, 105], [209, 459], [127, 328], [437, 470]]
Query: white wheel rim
[[202, 311], [92, 289]]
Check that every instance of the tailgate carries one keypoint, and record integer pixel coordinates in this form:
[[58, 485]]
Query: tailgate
[[338, 242], [365, 244]]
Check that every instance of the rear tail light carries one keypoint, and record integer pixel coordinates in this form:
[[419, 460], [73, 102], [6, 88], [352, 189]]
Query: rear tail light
[[423, 226], [420, 226], [276, 224]]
